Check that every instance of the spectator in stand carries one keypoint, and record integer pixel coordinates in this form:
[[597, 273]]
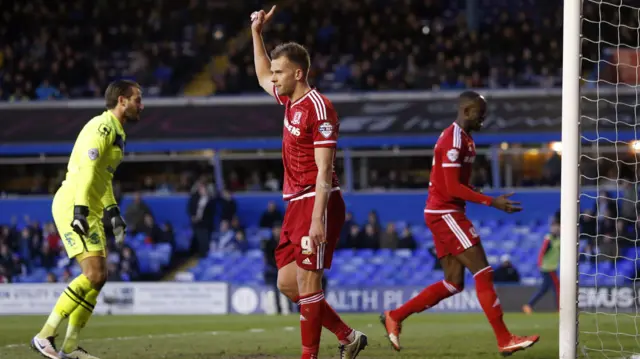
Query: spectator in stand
[[228, 206], [270, 273], [588, 226], [271, 183], [374, 221], [134, 214], [6, 260], [239, 243], [26, 247], [46, 91], [66, 276], [51, 278], [629, 200], [346, 229], [4, 277], [407, 241], [151, 230], [254, 183], [234, 183], [236, 225], [225, 235], [506, 272], [168, 235], [113, 272], [370, 239], [129, 264], [271, 216], [52, 237], [389, 239], [202, 211], [354, 238], [46, 257], [625, 237], [129, 259]]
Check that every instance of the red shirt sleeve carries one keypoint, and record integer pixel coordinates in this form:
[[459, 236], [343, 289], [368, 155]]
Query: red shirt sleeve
[[451, 164], [323, 122], [279, 99]]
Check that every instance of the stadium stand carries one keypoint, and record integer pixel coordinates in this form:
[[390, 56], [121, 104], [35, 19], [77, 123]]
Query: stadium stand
[[353, 49], [171, 48], [371, 252], [169, 44], [72, 49]]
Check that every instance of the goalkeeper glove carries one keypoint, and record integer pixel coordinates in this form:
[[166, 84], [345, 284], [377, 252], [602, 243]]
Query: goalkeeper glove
[[80, 224], [117, 223]]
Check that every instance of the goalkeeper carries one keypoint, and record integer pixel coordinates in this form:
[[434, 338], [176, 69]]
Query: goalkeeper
[[78, 206]]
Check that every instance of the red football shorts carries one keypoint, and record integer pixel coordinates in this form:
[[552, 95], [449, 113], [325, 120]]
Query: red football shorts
[[294, 237], [452, 233]]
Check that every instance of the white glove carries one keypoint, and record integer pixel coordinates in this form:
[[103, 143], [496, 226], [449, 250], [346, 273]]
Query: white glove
[[117, 223]]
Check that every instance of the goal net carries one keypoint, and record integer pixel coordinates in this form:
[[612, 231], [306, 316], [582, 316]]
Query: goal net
[[608, 256]]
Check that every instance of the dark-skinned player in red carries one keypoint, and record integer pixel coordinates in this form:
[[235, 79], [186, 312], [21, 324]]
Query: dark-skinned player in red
[[456, 241]]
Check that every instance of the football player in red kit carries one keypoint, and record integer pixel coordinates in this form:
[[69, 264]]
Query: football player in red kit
[[456, 242], [316, 210]]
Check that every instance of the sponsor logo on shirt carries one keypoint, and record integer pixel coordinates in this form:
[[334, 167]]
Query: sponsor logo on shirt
[[326, 129], [104, 130], [292, 129]]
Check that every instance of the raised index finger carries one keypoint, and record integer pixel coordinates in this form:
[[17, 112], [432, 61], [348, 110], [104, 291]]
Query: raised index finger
[[270, 13]]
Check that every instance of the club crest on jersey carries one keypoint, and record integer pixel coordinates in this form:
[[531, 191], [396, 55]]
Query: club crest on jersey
[[296, 118], [453, 154], [93, 154], [326, 129]]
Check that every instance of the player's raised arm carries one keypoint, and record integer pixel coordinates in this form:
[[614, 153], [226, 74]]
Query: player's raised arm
[[260, 56]]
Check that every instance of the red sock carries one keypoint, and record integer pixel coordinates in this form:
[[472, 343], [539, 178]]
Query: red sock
[[311, 314], [491, 304], [429, 297], [332, 321]]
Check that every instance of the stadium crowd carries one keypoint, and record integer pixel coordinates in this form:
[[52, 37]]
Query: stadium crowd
[[353, 48], [27, 245], [72, 49]]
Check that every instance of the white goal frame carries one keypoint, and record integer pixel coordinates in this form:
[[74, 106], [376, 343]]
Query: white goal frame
[[569, 198]]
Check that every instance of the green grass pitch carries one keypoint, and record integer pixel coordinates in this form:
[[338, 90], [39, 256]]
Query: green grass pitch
[[424, 336]]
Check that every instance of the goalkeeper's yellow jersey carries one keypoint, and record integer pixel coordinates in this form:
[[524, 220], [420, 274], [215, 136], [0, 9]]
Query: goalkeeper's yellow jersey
[[96, 154]]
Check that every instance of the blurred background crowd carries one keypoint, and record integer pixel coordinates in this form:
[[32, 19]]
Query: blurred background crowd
[[72, 49]]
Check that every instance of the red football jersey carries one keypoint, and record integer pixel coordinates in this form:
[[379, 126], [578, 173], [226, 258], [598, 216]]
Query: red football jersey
[[309, 122], [455, 149]]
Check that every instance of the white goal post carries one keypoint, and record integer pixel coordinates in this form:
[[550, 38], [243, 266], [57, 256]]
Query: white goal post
[[569, 197], [600, 278]]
